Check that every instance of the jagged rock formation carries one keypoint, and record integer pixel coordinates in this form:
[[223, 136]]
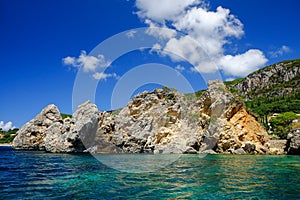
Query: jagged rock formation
[[231, 129], [31, 135], [47, 131], [162, 121]]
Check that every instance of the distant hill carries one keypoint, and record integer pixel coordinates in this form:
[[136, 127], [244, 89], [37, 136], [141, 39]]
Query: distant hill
[[273, 89]]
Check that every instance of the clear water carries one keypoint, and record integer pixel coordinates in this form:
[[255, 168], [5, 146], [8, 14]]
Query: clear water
[[37, 175]]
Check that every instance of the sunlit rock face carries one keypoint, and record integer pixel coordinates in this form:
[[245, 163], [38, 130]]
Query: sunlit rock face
[[49, 132], [166, 121], [231, 128], [161, 122]]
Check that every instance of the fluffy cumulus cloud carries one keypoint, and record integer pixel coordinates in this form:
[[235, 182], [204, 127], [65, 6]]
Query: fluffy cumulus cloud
[[90, 64], [280, 51], [242, 64], [6, 126], [162, 10], [207, 32]]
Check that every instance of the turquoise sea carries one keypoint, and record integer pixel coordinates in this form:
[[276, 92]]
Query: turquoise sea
[[38, 175]]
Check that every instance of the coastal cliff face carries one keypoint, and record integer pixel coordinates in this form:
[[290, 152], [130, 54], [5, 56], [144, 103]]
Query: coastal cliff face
[[160, 122], [49, 132], [165, 121], [231, 129]]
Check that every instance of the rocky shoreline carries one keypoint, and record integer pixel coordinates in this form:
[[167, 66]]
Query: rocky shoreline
[[160, 122]]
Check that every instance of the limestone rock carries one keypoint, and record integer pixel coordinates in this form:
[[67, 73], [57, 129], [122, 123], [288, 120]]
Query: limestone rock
[[276, 147], [240, 151], [268, 77], [31, 135], [227, 124], [49, 132], [249, 148], [86, 123], [163, 121], [293, 140], [153, 122]]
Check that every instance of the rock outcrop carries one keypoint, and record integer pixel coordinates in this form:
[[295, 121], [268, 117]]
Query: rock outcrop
[[293, 140], [276, 147], [164, 121], [161, 122], [31, 135], [229, 128], [49, 132]]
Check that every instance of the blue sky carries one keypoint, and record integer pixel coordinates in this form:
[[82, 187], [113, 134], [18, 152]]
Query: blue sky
[[36, 36]]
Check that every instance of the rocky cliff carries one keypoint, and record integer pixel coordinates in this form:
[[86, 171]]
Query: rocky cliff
[[163, 121], [275, 80], [49, 132], [229, 128]]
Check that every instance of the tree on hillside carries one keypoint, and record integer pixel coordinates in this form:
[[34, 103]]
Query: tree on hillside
[[282, 124]]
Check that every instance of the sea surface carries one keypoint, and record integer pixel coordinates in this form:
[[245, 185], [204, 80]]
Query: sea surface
[[38, 175]]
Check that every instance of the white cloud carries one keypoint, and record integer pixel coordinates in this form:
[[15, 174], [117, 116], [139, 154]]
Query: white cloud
[[161, 10], [180, 68], [69, 60], [282, 50], [209, 30], [88, 63], [6, 126], [104, 76], [131, 33], [156, 48], [161, 32], [242, 64]]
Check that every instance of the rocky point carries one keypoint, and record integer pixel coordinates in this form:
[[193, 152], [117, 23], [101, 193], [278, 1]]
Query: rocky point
[[160, 122]]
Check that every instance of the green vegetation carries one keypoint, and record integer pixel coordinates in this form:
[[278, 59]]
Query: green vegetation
[[194, 96], [168, 89], [263, 106], [7, 136], [278, 96], [170, 95], [63, 116], [233, 82], [282, 124], [231, 85], [115, 112]]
